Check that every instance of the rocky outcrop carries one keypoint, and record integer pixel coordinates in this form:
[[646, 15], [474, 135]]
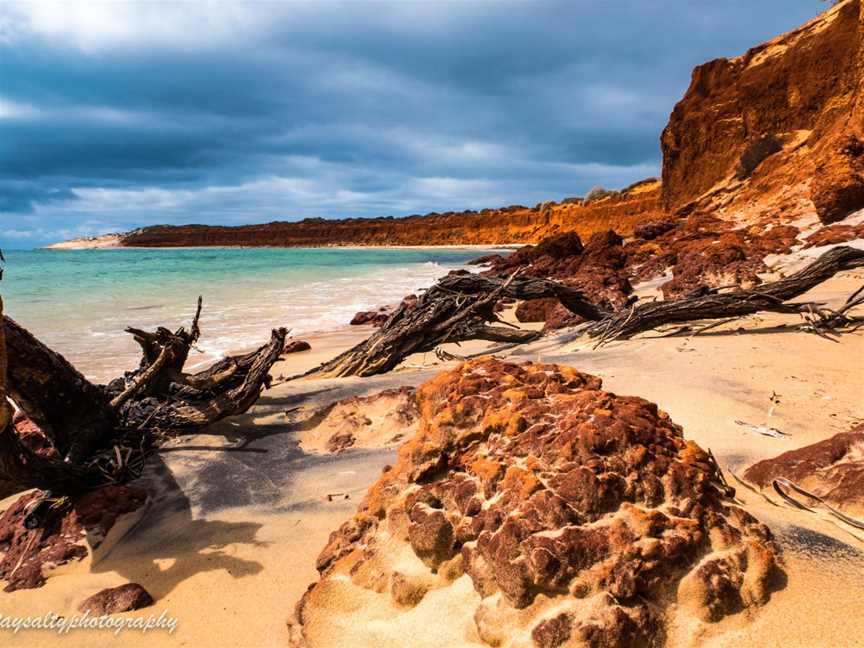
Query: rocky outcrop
[[775, 133], [65, 532], [833, 469], [124, 598], [597, 268], [534, 508], [707, 252]]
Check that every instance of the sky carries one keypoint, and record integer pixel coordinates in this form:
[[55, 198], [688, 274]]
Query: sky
[[116, 115]]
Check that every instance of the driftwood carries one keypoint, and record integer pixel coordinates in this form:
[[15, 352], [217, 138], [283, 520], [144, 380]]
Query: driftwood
[[20, 467], [456, 309], [69, 409], [103, 433], [459, 308], [770, 297]]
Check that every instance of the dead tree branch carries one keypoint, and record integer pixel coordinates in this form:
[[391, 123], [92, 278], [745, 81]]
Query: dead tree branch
[[105, 433], [770, 297], [456, 309]]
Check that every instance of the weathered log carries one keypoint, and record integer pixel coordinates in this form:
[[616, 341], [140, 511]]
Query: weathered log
[[72, 412], [104, 434], [20, 467], [770, 297], [525, 288], [170, 350]]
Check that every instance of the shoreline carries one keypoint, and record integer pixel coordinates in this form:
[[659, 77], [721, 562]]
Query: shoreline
[[68, 245]]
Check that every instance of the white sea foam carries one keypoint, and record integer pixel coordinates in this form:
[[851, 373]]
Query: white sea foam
[[240, 307]]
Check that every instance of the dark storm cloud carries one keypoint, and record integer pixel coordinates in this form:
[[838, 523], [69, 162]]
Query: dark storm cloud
[[277, 110]]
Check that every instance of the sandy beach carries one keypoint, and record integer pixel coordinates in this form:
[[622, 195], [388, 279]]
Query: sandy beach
[[228, 545], [487, 337]]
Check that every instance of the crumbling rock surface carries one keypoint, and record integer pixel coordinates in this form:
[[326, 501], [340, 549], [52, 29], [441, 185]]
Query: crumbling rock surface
[[835, 234], [534, 508], [112, 600], [838, 188], [833, 469], [733, 258], [769, 136], [377, 421], [62, 536]]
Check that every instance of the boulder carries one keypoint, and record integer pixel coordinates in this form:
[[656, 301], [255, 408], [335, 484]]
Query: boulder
[[532, 503], [295, 346], [373, 317]]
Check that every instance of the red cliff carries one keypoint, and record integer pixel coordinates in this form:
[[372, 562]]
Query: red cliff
[[775, 130], [516, 224], [773, 136]]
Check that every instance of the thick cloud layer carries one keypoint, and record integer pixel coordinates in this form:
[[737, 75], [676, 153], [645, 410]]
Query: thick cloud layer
[[116, 115]]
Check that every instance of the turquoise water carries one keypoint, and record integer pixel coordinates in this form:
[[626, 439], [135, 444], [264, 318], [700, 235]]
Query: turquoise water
[[79, 301]]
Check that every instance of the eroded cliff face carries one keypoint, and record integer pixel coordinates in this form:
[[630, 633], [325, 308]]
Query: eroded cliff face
[[515, 224], [775, 133], [775, 136]]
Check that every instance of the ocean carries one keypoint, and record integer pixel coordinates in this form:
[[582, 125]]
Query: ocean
[[80, 301]]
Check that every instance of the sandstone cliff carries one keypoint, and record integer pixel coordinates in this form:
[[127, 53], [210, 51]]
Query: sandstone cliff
[[775, 132], [775, 136], [515, 224]]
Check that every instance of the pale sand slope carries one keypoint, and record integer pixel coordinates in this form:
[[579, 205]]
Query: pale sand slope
[[230, 544], [87, 243]]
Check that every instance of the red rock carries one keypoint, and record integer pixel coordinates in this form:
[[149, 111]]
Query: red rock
[[295, 346], [832, 469], [535, 310], [375, 318], [124, 598], [775, 91], [834, 234], [547, 310], [533, 481], [32, 436], [515, 224], [60, 539], [838, 187]]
